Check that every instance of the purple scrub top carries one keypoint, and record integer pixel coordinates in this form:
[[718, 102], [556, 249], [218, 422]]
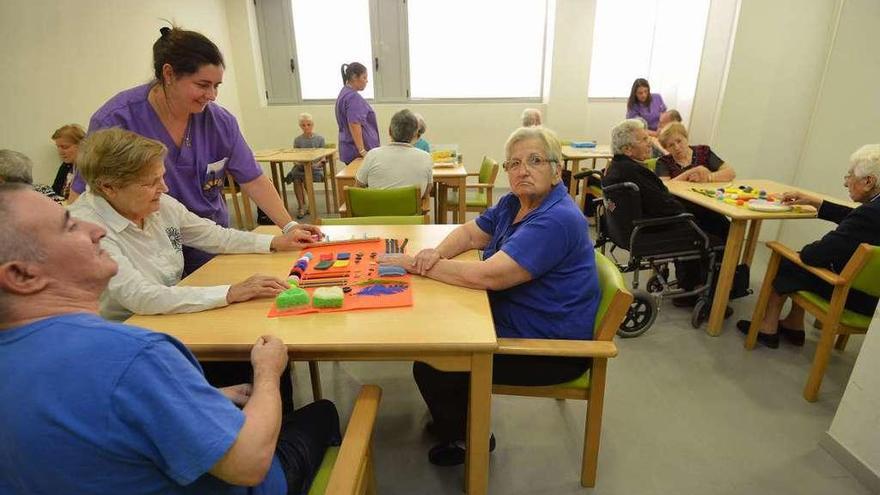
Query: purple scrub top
[[352, 108]]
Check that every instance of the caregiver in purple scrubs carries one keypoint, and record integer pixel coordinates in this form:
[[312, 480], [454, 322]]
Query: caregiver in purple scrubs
[[358, 130], [203, 138]]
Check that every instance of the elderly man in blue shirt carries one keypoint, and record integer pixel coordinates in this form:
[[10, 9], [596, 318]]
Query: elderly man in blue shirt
[[539, 269]]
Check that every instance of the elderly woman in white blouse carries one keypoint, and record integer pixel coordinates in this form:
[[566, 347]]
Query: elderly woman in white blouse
[[146, 230]]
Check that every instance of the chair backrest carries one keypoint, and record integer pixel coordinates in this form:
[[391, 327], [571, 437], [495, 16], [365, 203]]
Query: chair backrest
[[378, 220], [488, 171], [623, 205], [867, 279], [331, 146], [611, 304], [651, 164], [399, 201]]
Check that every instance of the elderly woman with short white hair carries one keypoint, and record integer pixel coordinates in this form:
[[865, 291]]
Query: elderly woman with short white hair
[[16, 167], [854, 226], [539, 269], [531, 117]]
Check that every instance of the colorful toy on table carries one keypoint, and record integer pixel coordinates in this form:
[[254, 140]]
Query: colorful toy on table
[[327, 297], [293, 297], [343, 256], [737, 196], [379, 287], [340, 263], [391, 271]]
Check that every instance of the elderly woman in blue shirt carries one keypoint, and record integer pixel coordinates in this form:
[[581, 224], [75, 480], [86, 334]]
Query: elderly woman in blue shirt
[[539, 269]]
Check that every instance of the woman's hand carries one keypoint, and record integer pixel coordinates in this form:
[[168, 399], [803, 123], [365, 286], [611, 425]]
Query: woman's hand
[[298, 238], [238, 394], [698, 174], [800, 198], [404, 261], [254, 287], [426, 259]]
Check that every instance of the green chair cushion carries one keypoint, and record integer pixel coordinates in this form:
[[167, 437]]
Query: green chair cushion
[[582, 382], [486, 170], [377, 220], [848, 318], [399, 201], [651, 163], [868, 279], [322, 477], [610, 280], [477, 200]]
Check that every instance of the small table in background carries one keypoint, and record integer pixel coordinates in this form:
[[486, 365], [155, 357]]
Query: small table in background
[[575, 155], [276, 158]]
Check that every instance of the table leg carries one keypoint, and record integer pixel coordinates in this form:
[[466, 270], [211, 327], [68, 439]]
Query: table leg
[[462, 200], [575, 168], [310, 191], [278, 179], [441, 210], [332, 162], [732, 251], [751, 242], [479, 419]]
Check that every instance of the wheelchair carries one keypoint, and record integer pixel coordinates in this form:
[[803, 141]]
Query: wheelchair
[[652, 243]]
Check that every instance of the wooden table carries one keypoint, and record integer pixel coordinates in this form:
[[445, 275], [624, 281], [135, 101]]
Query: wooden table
[[448, 327], [276, 159], [444, 176], [738, 249], [575, 155]]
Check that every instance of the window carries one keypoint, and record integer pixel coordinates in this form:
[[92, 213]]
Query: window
[[503, 44], [413, 49], [660, 40]]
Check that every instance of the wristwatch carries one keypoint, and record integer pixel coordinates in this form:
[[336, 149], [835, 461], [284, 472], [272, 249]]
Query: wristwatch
[[290, 226]]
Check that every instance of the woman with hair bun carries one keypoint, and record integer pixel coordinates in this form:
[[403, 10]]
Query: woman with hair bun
[[203, 139], [358, 130]]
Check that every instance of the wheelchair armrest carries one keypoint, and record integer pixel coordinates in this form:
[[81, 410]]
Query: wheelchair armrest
[[670, 220], [586, 173]]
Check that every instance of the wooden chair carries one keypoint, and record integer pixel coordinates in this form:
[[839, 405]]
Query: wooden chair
[[398, 201], [382, 220], [480, 201], [348, 469], [590, 387], [862, 272], [232, 188]]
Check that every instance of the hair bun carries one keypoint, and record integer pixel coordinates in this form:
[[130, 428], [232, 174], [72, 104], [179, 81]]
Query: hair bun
[[165, 31]]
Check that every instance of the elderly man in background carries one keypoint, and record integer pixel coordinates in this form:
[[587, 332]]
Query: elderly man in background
[[89, 406], [16, 167], [854, 226], [531, 117], [398, 164]]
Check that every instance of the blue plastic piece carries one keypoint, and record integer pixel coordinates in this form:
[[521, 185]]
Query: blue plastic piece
[[583, 144], [391, 271], [343, 256]]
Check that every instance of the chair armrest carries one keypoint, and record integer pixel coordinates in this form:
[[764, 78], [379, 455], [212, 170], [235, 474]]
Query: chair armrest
[[671, 220], [426, 204], [479, 186], [473, 174], [356, 443], [551, 347], [585, 173], [793, 256]]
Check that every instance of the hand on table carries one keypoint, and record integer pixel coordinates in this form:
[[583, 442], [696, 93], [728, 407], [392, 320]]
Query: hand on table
[[404, 261], [426, 259], [256, 286], [698, 174], [800, 198], [298, 238], [269, 356], [238, 394]]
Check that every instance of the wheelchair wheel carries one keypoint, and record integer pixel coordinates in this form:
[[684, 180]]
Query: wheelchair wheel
[[654, 285], [701, 312], [641, 314]]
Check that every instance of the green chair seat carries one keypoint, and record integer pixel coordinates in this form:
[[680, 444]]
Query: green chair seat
[[475, 200], [848, 318], [581, 383], [322, 477], [651, 164], [400, 201], [377, 220]]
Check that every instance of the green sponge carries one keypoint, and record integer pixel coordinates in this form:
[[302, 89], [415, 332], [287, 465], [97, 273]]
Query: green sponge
[[327, 297], [292, 298]]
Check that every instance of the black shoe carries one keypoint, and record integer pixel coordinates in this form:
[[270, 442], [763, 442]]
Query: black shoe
[[793, 337], [452, 453], [728, 312], [770, 340]]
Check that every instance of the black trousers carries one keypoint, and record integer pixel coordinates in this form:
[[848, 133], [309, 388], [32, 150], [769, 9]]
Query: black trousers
[[446, 393], [227, 373], [305, 435], [692, 273], [792, 278]]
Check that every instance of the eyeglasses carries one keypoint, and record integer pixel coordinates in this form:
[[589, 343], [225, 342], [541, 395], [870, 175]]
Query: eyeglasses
[[533, 163]]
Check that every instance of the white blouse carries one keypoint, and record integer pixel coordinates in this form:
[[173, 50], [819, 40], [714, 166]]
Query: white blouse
[[151, 259]]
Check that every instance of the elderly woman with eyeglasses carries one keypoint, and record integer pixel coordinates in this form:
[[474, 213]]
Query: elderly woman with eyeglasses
[[539, 269], [854, 227]]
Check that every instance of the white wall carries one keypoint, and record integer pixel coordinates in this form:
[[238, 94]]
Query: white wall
[[62, 59], [845, 118]]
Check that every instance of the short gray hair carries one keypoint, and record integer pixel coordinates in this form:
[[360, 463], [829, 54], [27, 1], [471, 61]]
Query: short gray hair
[[866, 161], [531, 117], [305, 117], [16, 167], [116, 156], [18, 244], [422, 126], [404, 126], [548, 140], [622, 134]]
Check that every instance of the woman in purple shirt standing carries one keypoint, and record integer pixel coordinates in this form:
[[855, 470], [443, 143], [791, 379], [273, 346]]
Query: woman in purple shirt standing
[[203, 138], [358, 130], [644, 104]]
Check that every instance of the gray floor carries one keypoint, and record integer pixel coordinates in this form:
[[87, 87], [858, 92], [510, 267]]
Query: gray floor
[[685, 414]]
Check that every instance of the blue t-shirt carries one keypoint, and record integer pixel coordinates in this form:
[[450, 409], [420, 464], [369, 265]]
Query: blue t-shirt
[[552, 243], [423, 145], [93, 407]]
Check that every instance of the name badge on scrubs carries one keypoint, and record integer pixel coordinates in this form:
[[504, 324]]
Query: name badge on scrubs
[[214, 176]]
